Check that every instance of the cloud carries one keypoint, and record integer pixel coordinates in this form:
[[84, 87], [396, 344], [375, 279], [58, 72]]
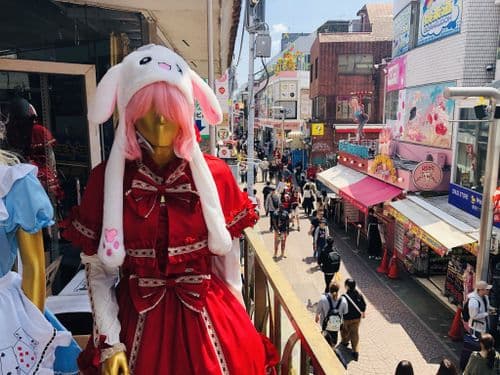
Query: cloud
[[279, 28]]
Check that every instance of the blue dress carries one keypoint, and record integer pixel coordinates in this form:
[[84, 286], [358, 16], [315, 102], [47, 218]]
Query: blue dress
[[25, 205]]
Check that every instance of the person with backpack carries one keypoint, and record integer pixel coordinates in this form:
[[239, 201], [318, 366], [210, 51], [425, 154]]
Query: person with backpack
[[281, 227], [329, 261], [356, 310], [330, 312], [321, 233], [477, 309], [271, 204]]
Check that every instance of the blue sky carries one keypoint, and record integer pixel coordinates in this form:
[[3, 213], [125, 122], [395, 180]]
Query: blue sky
[[296, 16]]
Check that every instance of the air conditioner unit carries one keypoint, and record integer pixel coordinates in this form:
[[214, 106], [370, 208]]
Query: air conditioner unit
[[437, 157]]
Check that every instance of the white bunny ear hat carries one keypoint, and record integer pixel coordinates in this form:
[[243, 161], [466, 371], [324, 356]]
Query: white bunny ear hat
[[147, 65]]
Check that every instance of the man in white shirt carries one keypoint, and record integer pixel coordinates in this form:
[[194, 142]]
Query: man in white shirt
[[264, 167], [479, 307]]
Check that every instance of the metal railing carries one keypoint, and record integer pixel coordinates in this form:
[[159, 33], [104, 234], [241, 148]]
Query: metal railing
[[269, 297]]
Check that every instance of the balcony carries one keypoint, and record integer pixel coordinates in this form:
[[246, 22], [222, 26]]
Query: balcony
[[277, 312]]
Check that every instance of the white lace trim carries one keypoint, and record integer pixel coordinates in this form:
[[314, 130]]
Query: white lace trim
[[214, 339], [172, 251]]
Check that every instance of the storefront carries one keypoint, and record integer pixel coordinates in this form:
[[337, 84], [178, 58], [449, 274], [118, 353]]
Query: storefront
[[434, 245]]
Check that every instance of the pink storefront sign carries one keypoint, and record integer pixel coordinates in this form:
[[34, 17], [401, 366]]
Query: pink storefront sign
[[396, 74]]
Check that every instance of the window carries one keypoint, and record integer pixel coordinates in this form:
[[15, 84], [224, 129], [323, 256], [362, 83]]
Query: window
[[344, 110], [316, 68], [471, 151], [355, 64], [311, 73], [319, 108], [391, 105]]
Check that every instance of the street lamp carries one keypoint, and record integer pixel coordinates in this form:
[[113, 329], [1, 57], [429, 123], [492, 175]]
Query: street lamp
[[491, 172]]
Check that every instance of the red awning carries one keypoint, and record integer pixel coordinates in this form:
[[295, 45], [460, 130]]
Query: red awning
[[368, 192]]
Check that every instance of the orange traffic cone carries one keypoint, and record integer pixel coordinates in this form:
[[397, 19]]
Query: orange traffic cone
[[456, 332], [384, 264], [393, 268]]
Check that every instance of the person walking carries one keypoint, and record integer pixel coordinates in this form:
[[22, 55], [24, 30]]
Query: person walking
[[374, 240], [281, 228], [479, 308], [330, 312], [294, 211], [264, 168], [266, 190], [271, 205], [308, 199], [320, 235], [243, 172], [486, 361], [404, 368], [329, 261], [357, 307]]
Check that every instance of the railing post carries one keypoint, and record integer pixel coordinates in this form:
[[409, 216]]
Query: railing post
[[304, 363], [276, 335], [260, 298]]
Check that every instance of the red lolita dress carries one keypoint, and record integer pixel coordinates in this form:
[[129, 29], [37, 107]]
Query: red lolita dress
[[176, 315]]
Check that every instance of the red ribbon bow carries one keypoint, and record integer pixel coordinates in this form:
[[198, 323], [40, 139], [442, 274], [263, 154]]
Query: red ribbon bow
[[147, 293]]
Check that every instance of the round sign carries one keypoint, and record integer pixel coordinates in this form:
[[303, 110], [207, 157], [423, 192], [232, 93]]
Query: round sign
[[224, 152], [222, 90], [427, 175]]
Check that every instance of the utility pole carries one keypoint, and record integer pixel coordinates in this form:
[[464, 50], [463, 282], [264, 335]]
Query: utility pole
[[251, 109], [491, 172]]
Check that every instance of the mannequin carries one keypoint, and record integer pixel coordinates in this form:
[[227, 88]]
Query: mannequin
[[29, 341], [165, 224]]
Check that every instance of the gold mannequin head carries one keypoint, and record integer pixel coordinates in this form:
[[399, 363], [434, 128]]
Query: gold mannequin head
[[157, 130]]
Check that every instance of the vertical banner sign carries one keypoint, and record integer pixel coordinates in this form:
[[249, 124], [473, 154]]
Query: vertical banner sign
[[438, 19], [222, 91], [396, 74], [401, 30]]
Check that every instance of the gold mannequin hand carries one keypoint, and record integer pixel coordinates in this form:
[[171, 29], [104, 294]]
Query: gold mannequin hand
[[115, 365]]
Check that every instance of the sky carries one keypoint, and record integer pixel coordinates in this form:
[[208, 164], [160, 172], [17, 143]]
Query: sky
[[295, 16]]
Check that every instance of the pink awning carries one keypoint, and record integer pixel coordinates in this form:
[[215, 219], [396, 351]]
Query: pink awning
[[368, 192]]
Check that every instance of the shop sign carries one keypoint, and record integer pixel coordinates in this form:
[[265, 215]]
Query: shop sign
[[438, 19], [317, 128], [465, 199], [222, 91], [418, 231], [396, 74], [354, 149], [426, 115], [427, 175], [401, 32], [222, 133], [224, 152]]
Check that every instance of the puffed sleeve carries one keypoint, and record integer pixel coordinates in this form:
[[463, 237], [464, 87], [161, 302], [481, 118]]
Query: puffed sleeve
[[28, 206], [83, 226], [238, 210]]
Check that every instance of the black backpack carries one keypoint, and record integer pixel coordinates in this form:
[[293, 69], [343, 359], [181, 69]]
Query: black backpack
[[465, 311], [332, 262]]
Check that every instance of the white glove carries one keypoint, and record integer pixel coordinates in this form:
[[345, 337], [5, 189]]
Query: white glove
[[227, 268], [101, 286]]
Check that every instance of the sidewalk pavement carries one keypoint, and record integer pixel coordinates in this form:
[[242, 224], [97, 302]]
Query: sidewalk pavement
[[402, 321]]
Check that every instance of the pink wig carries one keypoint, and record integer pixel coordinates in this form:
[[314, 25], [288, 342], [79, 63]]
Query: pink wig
[[168, 101]]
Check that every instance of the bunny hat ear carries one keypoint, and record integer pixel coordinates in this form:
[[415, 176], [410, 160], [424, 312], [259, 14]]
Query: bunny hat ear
[[111, 249], [219, 239], [206, 98]]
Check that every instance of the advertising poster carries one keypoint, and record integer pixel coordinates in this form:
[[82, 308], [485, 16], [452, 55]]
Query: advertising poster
[[396, 74], [438, 19], [401, 30], [426, 114]]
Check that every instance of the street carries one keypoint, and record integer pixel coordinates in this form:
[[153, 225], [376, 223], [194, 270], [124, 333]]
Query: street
[[402, 321]]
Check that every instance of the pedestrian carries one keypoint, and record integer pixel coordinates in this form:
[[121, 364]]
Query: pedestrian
[[357, 307], [320, 235], [374, 240], [294, 211], [479, 308], [281, 227], [265, 192], [404, 368], [308, 199], [272, 204], [330, 312], [315, 219], [319, 200], [264, 168], [447, 367], [258, 202], [486, 361], [273, 169], [243, 172], [329, 261]]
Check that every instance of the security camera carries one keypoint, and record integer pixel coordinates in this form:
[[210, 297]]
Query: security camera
[[490, 67]]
